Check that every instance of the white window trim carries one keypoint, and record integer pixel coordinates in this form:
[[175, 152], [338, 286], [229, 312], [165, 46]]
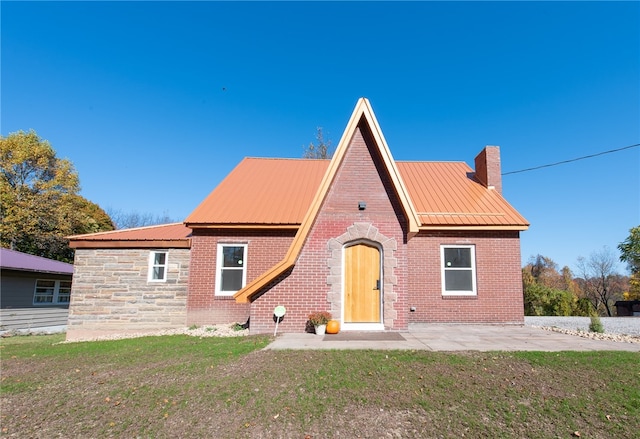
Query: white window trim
[[219, 267], [443, 269], [56, 293], [152, 254]]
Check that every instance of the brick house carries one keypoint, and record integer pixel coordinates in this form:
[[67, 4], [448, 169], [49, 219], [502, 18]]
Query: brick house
[[380, 244]]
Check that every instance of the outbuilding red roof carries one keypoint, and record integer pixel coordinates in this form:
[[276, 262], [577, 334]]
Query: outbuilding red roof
[[175, 235]]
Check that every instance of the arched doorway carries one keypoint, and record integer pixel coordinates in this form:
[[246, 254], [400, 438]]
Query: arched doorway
[[362, 287]]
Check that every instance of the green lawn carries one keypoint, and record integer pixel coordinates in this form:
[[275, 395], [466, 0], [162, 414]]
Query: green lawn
[[188, 387]]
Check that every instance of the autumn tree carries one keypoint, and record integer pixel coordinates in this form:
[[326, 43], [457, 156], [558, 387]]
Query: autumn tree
[[600, 284], [321, 150], [630, 253], [544, 271], [548, 292], [39, 201]]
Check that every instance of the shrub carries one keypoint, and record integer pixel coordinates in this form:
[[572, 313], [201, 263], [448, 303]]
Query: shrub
[[540, 300], [596, 325]]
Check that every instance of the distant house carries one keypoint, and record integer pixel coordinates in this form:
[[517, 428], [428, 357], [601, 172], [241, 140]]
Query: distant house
[[34, 291], [380, 244]]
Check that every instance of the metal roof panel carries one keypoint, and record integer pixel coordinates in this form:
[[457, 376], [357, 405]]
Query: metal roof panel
[[15, 260], [263, 191]]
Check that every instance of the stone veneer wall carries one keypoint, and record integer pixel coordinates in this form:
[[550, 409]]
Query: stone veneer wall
[[110, 293]]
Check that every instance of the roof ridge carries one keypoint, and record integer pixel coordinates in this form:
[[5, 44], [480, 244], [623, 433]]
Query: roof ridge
[[431, 161], [297, 159]]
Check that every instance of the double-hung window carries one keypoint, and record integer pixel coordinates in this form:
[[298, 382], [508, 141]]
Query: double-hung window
[[458, 270], [157, 266], [231, 273], [52, 292]]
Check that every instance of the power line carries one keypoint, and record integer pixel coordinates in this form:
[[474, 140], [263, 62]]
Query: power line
[[572, 160]]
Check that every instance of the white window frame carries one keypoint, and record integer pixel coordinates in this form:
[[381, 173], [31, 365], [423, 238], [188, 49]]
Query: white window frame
[[57, 295], [219, 268], [153, 265], [444, 269]]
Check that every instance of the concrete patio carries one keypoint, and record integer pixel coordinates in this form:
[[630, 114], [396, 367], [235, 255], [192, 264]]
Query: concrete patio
[[433, 337]]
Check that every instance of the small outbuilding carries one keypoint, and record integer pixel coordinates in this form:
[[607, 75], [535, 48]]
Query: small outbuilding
[[628, 308], [34, 291], [130, 281]]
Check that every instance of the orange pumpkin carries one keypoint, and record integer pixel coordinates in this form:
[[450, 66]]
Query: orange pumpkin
[[333, 327]]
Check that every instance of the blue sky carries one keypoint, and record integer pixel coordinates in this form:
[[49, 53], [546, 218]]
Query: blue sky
[[155, 102]]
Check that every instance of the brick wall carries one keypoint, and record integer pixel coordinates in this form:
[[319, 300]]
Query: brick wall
[[110, 292], [315, 281], [264, 249], [499, 279]]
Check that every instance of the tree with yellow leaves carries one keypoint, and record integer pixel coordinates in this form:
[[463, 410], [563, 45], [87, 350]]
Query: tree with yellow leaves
[[39, 201]]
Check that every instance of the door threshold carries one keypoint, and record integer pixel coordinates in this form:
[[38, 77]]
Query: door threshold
[[362, 327]]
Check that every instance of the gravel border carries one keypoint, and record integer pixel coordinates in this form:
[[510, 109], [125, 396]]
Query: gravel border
[[230, 330], [620, 329], [612, 325]]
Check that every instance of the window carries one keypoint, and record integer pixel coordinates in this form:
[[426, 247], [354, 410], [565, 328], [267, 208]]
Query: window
[[231, 272], [157, 266], [52, 292], [458, 270]]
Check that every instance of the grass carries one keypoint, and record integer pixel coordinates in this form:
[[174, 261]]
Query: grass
[[180, 386]]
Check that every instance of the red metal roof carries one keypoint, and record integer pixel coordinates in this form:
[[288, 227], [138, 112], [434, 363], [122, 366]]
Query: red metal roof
[[164, 235], [280, 191], [262, 191], [446, 194]]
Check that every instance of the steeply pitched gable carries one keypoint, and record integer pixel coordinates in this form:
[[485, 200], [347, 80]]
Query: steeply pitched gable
[[362, 114]]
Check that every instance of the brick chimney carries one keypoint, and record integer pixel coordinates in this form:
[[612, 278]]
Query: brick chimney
[[488, 168]]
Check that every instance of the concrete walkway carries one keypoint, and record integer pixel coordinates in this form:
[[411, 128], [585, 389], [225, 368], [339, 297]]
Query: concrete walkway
[[453, 338]]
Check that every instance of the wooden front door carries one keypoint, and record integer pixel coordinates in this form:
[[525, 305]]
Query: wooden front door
[[362, 284]]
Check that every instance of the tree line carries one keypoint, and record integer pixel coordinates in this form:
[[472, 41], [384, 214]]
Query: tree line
[[592, 290]]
